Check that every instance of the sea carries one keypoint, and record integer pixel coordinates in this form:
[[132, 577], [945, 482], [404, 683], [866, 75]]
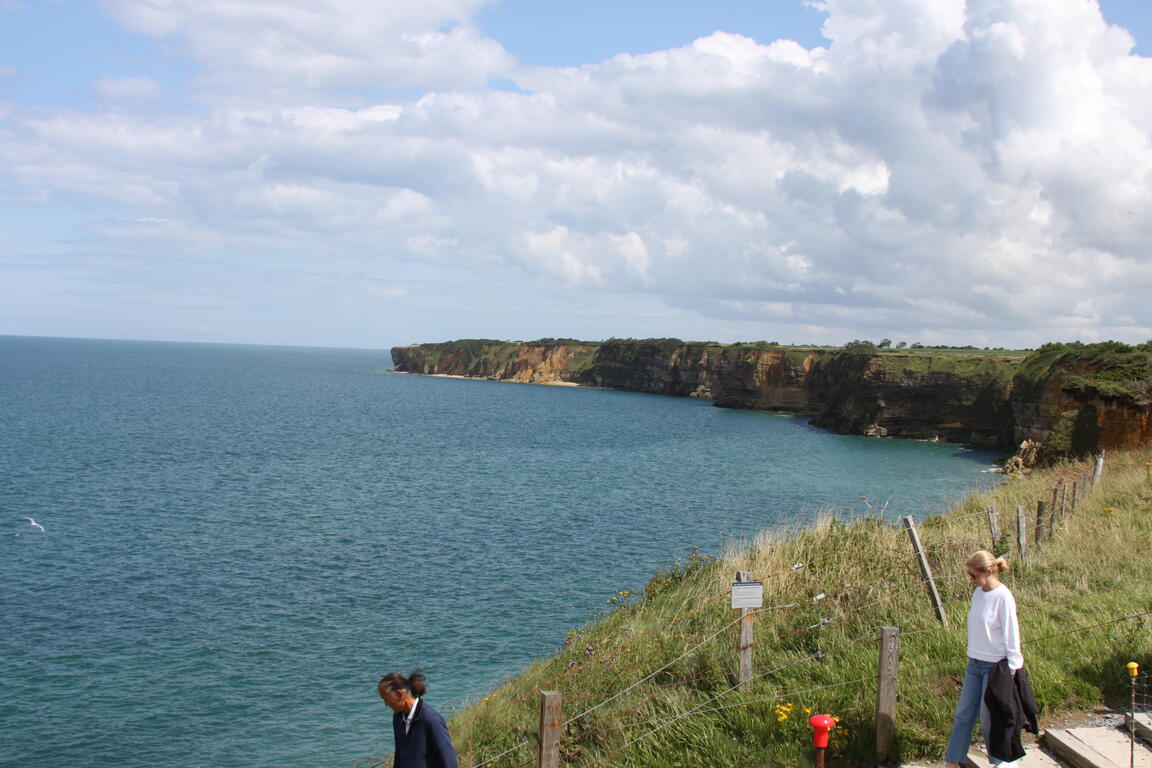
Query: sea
[[238, 541]]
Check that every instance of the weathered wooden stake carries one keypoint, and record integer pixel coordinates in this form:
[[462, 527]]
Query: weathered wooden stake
[[1075, 496], [1052, 517], [1021, 534], [1099, 469], [886, 677], [926, 570], [1052, 508], [1039, 524], [551, 718], [1084, 483], [993, 527], [1063, 502], [744, 677]]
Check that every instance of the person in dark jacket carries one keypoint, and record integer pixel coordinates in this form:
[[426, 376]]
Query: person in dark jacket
[[422, 739]]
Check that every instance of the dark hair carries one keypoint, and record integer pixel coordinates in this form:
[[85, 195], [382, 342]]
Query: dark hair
[[414, 683]]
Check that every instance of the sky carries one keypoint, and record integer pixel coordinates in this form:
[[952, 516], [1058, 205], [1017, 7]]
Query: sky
[[367, 174]]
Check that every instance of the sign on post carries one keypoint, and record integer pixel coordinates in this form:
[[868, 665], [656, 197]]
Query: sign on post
[[747, 594]]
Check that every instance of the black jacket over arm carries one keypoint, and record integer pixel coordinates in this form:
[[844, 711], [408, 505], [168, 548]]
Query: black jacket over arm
[[1012, 708], [427, 744]]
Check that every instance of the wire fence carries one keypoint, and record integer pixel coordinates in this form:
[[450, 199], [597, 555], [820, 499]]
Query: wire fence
[[1142, 685]]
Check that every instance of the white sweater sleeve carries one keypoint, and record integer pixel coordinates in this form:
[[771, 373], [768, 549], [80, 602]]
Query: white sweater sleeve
[[1011, 627]]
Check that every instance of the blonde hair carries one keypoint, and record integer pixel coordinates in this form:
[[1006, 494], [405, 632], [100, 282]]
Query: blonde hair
[[986, 562]]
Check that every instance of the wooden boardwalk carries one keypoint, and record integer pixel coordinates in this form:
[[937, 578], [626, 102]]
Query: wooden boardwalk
[[1082, 747]]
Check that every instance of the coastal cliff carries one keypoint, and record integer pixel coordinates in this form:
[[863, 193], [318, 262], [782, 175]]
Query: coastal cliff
[[1075, 397]]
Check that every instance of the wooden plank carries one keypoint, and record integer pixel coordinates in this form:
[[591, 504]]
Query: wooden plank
[[993, 528], [1096, 748], [1116, 745], [1144, 726], [977, 759], [1035, 758], [1072, 750]]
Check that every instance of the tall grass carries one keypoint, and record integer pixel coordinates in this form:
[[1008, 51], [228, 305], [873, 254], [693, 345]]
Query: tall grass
[[652, 682]]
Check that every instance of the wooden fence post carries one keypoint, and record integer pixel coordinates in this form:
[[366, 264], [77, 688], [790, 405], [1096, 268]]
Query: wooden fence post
[[1063, 502], [1039, 524], [1075, 496], [1021, 534], [1099, 469], [886, 677], [926, 570], [551, 718], [993, 527], [1086, 480], [744, 676], [1052, 517]]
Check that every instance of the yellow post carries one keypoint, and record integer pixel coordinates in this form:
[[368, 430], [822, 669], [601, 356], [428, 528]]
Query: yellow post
[[1133, 671]]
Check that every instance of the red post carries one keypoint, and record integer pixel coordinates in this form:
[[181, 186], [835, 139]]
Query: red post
[[821, 725]]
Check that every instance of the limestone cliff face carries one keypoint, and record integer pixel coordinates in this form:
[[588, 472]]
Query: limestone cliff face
[[981, 398], [890, 394], [684, 370], [897, 395], [1050, 410], [498, 360]]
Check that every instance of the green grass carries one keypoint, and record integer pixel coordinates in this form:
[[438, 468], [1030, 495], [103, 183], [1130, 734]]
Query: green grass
[[1073, 598], [1109, 369]]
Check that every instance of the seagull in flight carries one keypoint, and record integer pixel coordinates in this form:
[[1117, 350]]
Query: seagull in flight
[[35, 524]]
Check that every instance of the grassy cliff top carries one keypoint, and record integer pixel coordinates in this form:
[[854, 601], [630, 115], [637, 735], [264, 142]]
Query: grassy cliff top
[[1110, 369], [650, 682], [885, 347]]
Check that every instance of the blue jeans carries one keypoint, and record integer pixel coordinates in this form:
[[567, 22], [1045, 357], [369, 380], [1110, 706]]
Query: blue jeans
[[970, 705]]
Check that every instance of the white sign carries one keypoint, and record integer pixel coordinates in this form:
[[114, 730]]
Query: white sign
[[747, 594]]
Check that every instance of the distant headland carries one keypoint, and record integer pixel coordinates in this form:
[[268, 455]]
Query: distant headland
[[1071, 399]]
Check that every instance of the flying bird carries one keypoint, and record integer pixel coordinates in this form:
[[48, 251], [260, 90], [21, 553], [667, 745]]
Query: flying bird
[[35, 524]]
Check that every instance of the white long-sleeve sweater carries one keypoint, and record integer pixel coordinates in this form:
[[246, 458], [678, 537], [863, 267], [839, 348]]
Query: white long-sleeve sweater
[[993, 631]]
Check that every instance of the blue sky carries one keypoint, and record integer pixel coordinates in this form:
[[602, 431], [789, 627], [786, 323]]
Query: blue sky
[[350, 174]]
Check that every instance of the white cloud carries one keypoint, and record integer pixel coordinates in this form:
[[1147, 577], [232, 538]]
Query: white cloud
[[289, 48], [941, 170], [141, 88]]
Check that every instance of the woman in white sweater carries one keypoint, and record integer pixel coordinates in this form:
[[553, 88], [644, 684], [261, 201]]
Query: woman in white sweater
[[993, 634]]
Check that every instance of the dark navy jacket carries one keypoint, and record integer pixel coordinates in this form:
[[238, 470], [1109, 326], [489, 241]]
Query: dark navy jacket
[[426, 745], [1012, 708]]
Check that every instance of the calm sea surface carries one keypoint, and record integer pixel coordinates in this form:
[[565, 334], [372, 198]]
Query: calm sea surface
[[239, 541]]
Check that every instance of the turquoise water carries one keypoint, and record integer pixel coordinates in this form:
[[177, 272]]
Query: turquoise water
[[239, 541]]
